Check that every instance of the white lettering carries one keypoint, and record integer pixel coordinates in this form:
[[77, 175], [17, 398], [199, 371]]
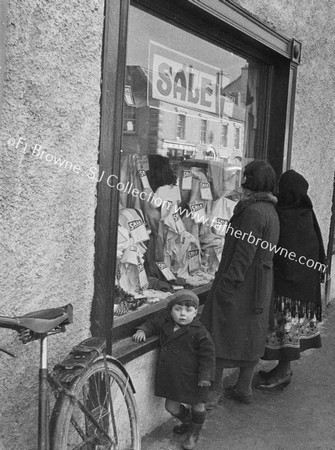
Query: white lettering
[[111, 176], [37, 149]]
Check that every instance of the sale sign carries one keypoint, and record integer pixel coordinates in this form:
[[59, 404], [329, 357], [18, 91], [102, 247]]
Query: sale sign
[[182, 80]]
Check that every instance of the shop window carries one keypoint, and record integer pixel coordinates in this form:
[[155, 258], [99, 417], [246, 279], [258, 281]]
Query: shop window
[[129, 111], [129, 119], [237, 137], [176, 186], [181, 123], [203, 131], [224, 135], [182, 192]]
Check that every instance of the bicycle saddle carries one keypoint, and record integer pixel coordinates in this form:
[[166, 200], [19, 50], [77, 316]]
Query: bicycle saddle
[[41, 321]]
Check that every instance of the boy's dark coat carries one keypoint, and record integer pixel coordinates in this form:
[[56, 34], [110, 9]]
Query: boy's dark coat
[[186, 357]]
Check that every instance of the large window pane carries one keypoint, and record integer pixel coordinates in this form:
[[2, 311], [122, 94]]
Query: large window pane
[[193, 116]]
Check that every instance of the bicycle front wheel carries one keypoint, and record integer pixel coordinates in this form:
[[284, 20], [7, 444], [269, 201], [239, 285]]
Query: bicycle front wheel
[[110, 401]]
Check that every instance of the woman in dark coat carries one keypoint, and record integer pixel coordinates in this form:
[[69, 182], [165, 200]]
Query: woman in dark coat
[[237, 309], [297, 303]]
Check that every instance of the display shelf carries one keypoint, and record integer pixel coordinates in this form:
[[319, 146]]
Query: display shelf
[[124, 326], [126, 350]]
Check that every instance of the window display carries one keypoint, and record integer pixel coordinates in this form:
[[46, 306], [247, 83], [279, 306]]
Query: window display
[[193, 112]]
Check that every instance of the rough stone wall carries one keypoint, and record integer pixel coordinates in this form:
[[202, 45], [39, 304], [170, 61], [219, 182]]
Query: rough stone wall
[[151, 410], [51, 101], [312, 23]]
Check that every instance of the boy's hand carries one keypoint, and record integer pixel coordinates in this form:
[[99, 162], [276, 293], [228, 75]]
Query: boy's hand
[[139, 336], [204, 383]]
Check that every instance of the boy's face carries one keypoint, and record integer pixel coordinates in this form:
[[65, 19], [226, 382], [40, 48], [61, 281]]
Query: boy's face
[[182, 314]]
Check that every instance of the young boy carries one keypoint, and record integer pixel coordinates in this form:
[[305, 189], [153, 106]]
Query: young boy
[[185, 365]]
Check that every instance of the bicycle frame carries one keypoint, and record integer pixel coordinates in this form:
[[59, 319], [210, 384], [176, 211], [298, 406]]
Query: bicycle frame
[[43, 407], [55, 384], [88, 356], [38, 325], [48, 379]]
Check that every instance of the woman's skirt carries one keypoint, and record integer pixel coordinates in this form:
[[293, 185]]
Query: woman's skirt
[[295, 328]]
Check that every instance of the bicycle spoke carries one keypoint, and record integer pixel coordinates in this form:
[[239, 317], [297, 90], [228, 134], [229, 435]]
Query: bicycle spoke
[[108, 409]]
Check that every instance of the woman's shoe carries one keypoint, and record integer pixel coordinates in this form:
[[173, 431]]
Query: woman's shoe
[[274, 382], [270, 374], [266, 375], [233, 392]]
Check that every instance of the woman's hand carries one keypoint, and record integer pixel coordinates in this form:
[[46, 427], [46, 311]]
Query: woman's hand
[[139, 336]]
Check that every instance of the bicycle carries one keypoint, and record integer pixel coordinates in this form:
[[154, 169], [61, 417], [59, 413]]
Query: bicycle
[[95, 406]]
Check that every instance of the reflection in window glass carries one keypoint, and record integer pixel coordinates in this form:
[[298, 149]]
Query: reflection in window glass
[[203, 131], [237, 137], [129, 119], [224, 135], [181, 178], [181, 120]]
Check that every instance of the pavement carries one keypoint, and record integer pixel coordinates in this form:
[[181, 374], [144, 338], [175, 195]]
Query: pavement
[[298, 417]]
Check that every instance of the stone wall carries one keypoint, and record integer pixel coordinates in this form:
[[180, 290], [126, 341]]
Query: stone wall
[[313, 155], [151, 410], [50, 103]]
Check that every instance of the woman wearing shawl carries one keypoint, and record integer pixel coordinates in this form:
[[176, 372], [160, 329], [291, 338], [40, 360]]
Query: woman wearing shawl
[[296, 310]]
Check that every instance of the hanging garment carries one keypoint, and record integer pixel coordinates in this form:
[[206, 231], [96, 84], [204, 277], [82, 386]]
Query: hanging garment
[[211, 249], [222, 211], [122, 240], [200, 202], [133, 221], [132, 273], [130, 180], [185, 254], [167, 198], [216, 177]]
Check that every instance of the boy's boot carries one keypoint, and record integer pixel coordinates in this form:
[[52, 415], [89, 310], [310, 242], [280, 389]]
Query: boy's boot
[[186, 418], [191, 440]]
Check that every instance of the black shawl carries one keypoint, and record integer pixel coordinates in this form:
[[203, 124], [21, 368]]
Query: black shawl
[[299, 233]]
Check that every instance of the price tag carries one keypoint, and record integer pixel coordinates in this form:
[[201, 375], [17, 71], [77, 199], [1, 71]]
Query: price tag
[[137, 230], [142, 162], [186, 184], [179, 223], [220, 226], [165, 271], [193, 257], [205, 191], [198, 212], [142, 276], [144, 179]]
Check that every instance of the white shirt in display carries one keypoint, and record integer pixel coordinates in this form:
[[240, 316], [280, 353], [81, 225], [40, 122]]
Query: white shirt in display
[[170, 198]]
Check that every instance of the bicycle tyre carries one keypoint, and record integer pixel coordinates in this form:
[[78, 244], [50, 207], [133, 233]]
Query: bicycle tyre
[[90, 390]]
